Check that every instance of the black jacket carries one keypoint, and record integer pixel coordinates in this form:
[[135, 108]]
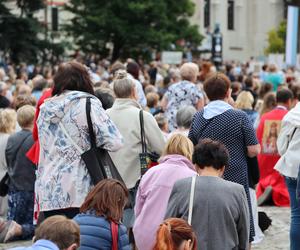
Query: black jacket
[[20, 169]]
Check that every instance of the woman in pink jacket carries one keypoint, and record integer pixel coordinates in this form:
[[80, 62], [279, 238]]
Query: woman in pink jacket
[[156, 186]]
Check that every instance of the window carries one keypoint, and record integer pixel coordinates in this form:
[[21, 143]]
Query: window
[[206, 13], [230, 14]]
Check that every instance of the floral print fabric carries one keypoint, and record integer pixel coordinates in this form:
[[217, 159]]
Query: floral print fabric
[[62, 177]]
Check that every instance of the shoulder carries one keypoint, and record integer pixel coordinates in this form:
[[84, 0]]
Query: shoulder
[[91, 220], [181, 186]]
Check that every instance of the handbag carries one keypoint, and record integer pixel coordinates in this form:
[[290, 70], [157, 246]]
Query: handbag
[[114, 235], [191, 201], [4, 185], [97, 160], [147, 159]]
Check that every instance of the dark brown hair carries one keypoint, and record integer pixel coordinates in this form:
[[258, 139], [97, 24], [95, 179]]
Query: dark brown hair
[[108, 199], [72, 76], [171, 234], [60, 230], [216, 86]]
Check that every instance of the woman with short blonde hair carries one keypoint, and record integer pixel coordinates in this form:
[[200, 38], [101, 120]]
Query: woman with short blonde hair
[[155, 189], [8, 120]]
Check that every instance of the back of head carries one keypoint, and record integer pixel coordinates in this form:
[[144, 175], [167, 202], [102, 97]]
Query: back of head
[[72, 76], [117, 66], [236, 87], [189, 71], [39, 83], [264, 89], [249, 82], [3, 87], [107, 199], [284, 95], [25, 116], [216, 86], [269, 103], [272, 68], [123, 86], [152, 99], [179, 144], [133, 69], [8, 120], [209, 153], [184, 116], [106, 96], [61, 231], [172, 233], [244, 100], [296, 91], [22, 100]]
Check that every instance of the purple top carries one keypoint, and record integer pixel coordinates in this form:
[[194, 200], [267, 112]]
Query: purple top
[[153, 195]]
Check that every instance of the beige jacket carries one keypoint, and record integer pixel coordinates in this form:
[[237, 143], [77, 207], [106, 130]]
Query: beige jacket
[[125, 114]]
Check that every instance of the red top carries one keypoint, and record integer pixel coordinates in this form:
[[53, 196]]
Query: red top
[[267, 134]]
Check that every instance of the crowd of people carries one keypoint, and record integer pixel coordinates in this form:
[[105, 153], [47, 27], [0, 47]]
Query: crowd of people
[[196, 148]]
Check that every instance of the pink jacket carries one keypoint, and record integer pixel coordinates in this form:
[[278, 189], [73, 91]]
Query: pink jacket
[[153, 195]]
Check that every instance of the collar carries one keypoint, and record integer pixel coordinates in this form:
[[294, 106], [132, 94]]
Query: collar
[[126, 102], [47, 244], [281, 107], [215, 108]]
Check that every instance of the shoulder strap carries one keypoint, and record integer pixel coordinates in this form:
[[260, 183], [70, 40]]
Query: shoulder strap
[[114, 235], [290, 139], [191, 201], [143, 137], [89, 122]]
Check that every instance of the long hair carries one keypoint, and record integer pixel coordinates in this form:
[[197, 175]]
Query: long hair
[[107, 199], [172, 233]]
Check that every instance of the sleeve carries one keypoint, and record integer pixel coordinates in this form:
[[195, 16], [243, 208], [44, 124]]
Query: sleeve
[[248, 131], [283, 137], [142, 98], [106, 132], [196, 95], [192, 135], [243, 224], [154, 136], [173, 204], [9, 152], [139, 201], [260, 129]]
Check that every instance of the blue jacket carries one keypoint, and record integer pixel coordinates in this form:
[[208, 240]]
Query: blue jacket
[[95, 233], [39, 245]]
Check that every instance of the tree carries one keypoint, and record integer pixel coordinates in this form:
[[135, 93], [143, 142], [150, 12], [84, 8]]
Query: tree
[[19, 34], [276, 39], [132, 26]]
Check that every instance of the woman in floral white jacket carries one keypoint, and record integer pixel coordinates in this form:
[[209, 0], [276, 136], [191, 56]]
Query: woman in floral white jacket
[[62, 177]]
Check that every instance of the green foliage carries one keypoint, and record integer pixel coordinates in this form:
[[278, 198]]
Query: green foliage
[[133, 26], [19, 34], [276, 39]]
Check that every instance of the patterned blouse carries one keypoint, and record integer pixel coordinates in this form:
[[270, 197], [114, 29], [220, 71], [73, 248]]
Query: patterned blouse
[[62, 177], [180, 94]]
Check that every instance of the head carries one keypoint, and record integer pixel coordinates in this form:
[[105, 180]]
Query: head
[[189, 72], [269, 103], [108, 199], [24, 89], [106, 96], [25, 117], [123, 86], [244, 100], [61, 231], [272, 68], [39, 83], [3, 88], [184, 116], [264, 89], [236, 87], [217, 87], [296, 92], [152, 100], [211, 154], [179, 144], [284, 97], [175, 234], [22, 100], [116, 67], [8, 121], [162, 122], [150, 89], [133, 69], [72, 76], [249, 82]]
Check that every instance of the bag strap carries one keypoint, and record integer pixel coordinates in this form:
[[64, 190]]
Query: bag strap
[[114, 235], [89, 122], [191, 202], [290, 139], [143, 137]]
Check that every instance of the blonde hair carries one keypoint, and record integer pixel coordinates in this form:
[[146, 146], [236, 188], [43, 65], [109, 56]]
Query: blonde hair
[[25, 116], [244, 100], [189, 71], [123, 85], [8, 120], [180, 145], [60, 230]]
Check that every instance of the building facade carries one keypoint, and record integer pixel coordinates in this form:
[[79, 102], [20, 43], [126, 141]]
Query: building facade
[[244, 24]]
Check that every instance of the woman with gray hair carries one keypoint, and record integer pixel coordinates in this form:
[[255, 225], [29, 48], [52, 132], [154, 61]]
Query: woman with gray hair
[[184, 119], [183, 93]]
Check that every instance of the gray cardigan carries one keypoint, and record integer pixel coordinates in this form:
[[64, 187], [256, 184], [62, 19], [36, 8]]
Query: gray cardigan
[[220, 212]]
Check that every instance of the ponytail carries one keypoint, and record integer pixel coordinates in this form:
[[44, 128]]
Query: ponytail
[[164, 238]]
